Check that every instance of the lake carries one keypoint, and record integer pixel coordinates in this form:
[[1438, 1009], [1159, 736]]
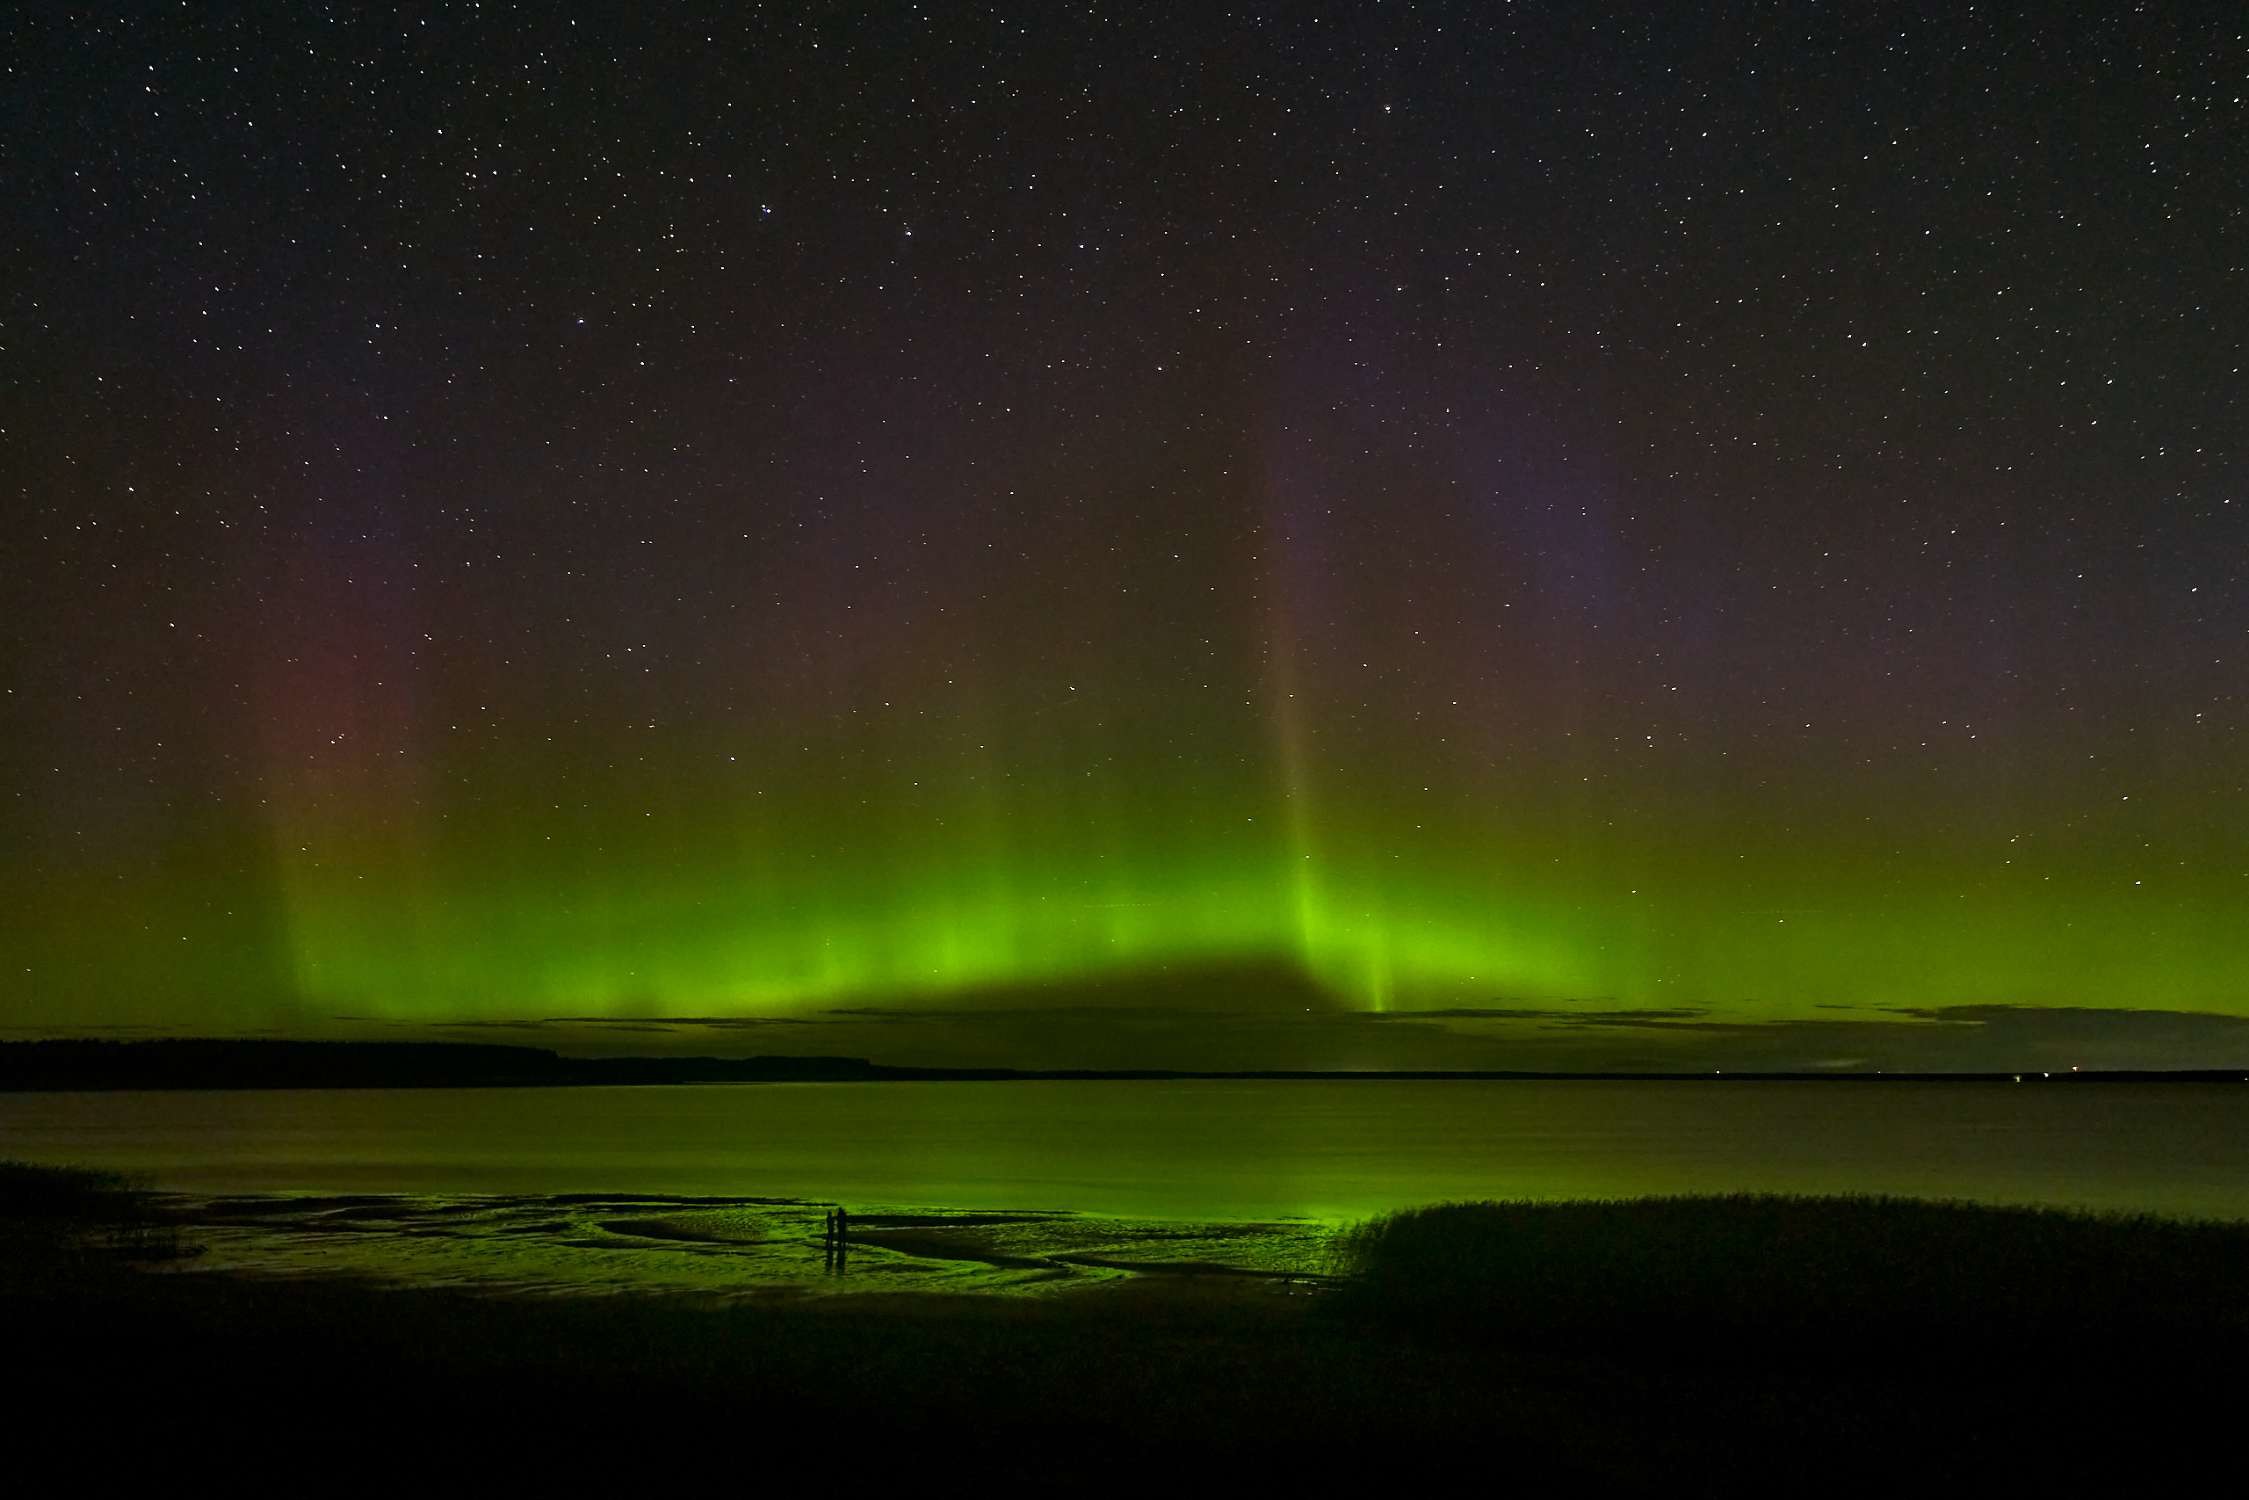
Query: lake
[[1193, 1150]]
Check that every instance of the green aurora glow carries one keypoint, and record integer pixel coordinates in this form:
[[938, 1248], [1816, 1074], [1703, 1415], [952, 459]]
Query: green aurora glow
[[1399, 517], [789, 887]]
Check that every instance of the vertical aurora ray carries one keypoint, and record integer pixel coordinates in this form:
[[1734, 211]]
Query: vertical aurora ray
[[1300, 873]]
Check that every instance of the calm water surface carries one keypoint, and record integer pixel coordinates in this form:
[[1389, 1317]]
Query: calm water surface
[[1186, 1150]]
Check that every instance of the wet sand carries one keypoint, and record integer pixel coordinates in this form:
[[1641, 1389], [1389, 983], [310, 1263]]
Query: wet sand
[[727, 1249]]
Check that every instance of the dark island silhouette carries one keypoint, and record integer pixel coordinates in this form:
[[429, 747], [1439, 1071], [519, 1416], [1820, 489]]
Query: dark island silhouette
[[269, 1063]]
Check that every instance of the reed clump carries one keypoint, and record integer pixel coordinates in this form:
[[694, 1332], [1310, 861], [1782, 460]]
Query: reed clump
[[1814, 1271], [59, 1220]]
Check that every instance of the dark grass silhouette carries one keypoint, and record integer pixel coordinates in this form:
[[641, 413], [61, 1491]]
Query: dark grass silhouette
[[53, 1196], [1810, 1274], [55, 1219]]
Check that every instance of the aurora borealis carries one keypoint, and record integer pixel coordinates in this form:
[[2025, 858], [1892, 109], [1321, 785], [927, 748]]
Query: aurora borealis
[[1666, 530]]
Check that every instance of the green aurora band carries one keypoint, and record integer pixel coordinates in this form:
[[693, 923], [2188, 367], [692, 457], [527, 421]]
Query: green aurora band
[[1038, 788], [1009, 816], [906, 862]]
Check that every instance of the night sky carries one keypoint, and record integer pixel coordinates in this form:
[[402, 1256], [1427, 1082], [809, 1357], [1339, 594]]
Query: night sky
[[1476, 535]]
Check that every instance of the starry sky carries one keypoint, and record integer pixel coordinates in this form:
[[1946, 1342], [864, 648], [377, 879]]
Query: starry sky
[[1385, 535]]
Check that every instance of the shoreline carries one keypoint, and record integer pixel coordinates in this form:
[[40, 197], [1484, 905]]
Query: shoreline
[[735, 1248]]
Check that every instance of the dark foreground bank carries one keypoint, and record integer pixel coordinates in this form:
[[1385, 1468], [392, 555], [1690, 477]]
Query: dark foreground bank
[[1488, 1344]]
